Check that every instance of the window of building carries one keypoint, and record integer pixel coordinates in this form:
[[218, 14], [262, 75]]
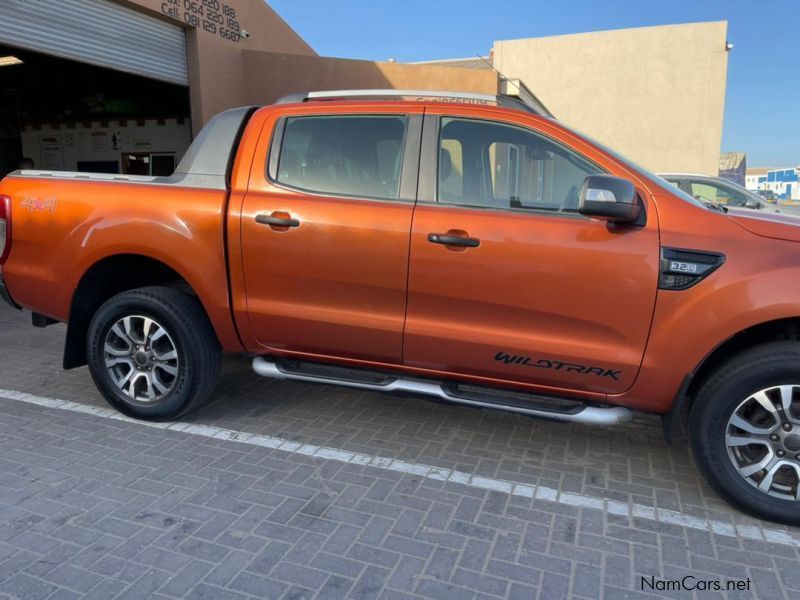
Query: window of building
[[344, 155], [482, 163]]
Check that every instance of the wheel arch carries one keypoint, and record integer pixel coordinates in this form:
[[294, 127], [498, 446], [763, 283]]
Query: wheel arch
[[769, 331], [105, 278], [787, 328]]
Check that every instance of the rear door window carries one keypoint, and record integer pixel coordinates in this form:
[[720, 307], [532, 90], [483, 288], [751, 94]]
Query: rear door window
[[344, 155]]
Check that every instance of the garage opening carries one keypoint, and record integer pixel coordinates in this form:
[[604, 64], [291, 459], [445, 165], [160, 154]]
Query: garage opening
[[91, 85], [58, 114]]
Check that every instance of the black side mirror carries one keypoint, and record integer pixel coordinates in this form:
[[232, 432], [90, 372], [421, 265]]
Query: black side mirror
[[611, 198]]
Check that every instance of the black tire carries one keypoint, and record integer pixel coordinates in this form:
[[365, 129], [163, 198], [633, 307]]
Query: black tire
[[185, 322], [761, 367]]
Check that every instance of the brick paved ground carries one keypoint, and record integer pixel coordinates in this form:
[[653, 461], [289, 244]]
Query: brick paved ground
[[102, 508]]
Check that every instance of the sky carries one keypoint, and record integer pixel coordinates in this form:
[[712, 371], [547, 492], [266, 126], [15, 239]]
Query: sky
[[762, 105]]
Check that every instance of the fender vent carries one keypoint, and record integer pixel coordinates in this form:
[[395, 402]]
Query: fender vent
[[681, 269]]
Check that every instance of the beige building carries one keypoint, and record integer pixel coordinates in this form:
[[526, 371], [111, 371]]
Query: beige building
[[136, 79], [654, 94]]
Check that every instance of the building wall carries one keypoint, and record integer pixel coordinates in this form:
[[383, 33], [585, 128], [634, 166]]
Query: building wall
[[785, 183], [274, 60], [655, 94], [753, 182], [756, 177], [215, 51], [272, 75], [62, 147]]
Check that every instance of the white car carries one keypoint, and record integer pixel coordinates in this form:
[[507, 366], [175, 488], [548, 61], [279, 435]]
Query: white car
[[724, 192]]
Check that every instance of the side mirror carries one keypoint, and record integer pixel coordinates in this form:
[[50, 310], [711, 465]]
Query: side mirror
[[611, 198], [750, 203]]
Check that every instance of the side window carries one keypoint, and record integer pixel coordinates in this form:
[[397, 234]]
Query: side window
[[708, 193], [344, 155], [482, 163]]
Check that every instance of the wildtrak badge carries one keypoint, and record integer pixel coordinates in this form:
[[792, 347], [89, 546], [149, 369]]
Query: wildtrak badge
[[544, 363]]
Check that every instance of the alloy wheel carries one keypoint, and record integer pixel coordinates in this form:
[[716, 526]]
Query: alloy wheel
[[763, 441], [141, 358]]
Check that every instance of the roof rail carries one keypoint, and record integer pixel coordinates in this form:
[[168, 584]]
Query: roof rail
[[505, 100]]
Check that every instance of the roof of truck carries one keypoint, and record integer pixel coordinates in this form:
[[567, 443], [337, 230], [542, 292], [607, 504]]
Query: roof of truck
[[524, 100]]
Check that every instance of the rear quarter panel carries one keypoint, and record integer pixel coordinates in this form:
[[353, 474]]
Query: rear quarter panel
[[55, 242]]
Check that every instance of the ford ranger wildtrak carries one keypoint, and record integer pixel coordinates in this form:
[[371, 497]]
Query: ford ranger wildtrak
[[457, 246]]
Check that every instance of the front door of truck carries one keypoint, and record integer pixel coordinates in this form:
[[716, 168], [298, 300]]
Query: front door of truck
[[325, 232], [507, 281]]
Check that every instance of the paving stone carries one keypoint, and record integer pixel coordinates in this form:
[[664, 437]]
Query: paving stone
[[260, 587], [22, 585], [92, 507], [409, 571], [184, 580]]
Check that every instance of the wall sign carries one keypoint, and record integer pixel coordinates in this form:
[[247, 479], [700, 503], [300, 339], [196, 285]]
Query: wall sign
[[212, 16], [99, 141], [51, 153]]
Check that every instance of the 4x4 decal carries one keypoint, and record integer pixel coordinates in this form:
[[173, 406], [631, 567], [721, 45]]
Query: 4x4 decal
[[544, 363]]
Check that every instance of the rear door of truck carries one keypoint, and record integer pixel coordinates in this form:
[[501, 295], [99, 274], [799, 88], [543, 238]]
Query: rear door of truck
[[325, 226]]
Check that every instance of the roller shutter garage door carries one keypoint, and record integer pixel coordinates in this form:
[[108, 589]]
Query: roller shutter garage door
[[98, 32]]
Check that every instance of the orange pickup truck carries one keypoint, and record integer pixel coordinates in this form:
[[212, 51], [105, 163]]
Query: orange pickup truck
[[457, 246]]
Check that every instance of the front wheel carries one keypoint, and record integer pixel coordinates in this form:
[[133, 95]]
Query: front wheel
[[744, 429], [152, 353]]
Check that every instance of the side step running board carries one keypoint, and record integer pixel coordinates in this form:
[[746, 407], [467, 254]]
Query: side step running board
[[538, 406]]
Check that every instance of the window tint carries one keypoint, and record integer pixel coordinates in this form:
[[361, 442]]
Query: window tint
[[348, 155], [718, 194], [501, 166]]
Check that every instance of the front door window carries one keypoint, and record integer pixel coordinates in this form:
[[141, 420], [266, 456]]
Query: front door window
[[492, 165]]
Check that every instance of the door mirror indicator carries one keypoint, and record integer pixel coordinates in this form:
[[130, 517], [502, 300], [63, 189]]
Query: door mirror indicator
[[611, 198]]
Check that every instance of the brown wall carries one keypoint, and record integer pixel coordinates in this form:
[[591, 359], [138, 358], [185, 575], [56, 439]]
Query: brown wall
[[275, 61], [272, 75], [216, 67]]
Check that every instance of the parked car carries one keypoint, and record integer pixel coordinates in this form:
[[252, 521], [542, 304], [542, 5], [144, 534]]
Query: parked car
[[459, 247], [768, 195], [727, 193]]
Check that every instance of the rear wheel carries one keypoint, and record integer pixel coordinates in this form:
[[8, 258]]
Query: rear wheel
[[745, 431], [152, 353]]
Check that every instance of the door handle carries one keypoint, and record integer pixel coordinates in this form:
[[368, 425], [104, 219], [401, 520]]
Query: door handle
[[277, 219], [448, 239]]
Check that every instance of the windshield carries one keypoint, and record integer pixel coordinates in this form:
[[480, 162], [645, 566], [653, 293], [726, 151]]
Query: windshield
[[655, 179], [750, 195]]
